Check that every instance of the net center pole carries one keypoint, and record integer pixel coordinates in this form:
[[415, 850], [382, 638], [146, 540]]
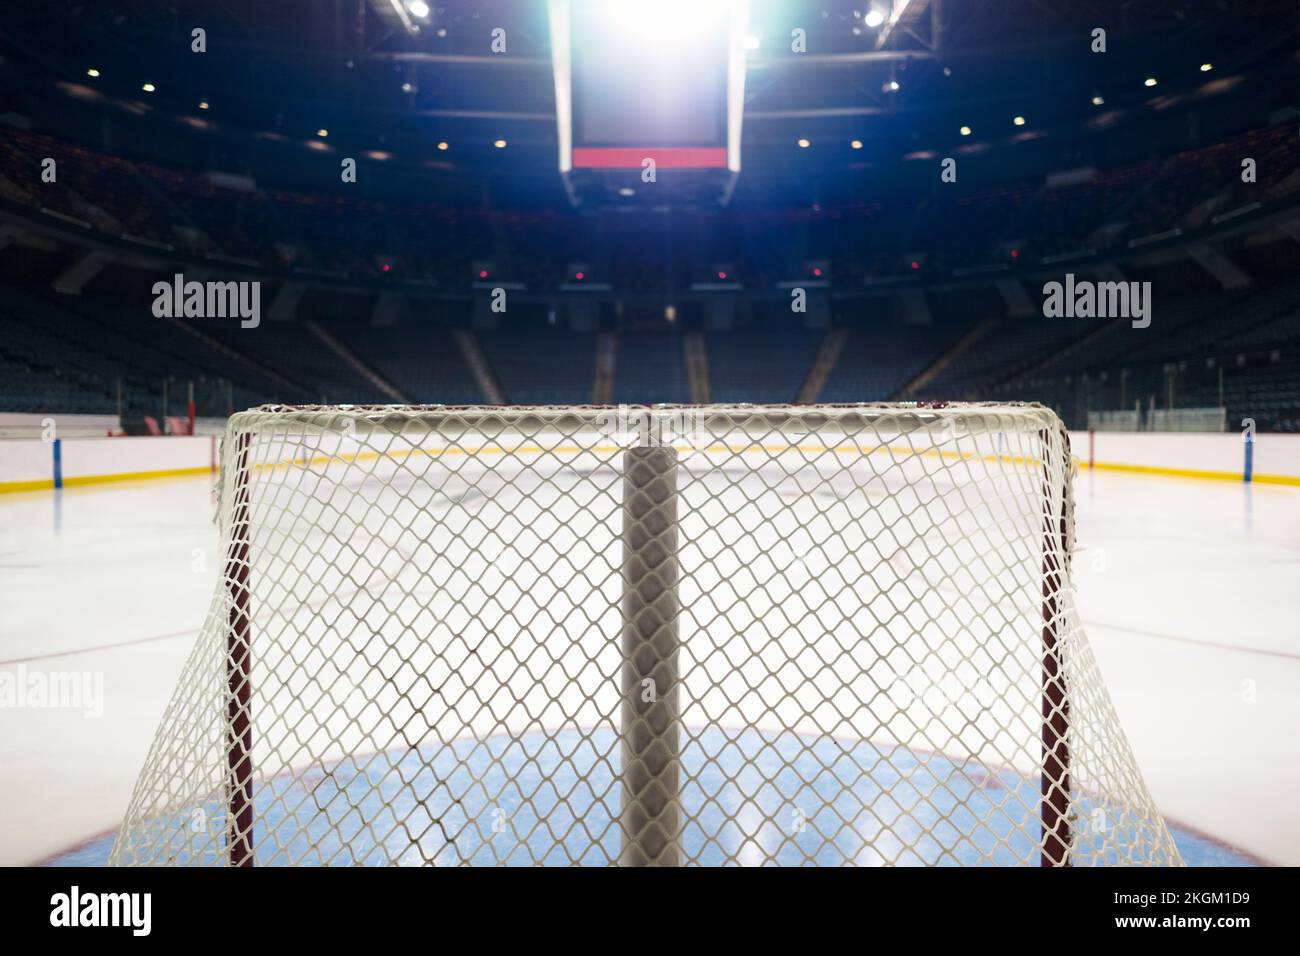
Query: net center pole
[[649, 814]]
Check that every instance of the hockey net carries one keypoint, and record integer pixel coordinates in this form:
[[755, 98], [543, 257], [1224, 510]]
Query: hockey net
[[696, 635]]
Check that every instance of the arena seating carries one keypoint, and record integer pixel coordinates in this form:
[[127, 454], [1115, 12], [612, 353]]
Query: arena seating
[[91, 353], [650, 368], [876, 363], [542, 366], [349, 235], [420, 359], [759, 366]]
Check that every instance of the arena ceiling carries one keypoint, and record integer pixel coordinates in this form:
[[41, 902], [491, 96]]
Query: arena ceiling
[[383, 81]]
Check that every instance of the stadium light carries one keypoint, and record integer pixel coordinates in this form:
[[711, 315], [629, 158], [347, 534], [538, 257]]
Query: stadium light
[[890, 86], [804, 144], [666, 22], [92, 72], [443, 147], [148, 87], [500, 144], [203, 105], [965, 130], [1098, 101], [1019, 121], [322, 133], [1149, 81], [1206, 67], [417, 8], [752, 42], [874, 18], [856, 144]]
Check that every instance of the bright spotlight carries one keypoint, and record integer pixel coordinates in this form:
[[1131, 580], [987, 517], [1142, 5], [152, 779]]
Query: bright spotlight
[[148, 87], [1019, 121], [666, 22], [965, 130], [418, 8], [1206, 67], [92, 72], [804, 144], [890, 86], [856, 144], [874, 18], [752, 42], [500, 144], [1149, 81], [1098, 100]]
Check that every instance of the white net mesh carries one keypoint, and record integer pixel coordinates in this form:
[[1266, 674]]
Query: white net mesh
[[673, 636]]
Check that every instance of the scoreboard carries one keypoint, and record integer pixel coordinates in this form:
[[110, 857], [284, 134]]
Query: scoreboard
[[637, 81]]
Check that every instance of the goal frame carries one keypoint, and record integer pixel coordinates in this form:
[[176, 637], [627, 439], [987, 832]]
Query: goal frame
[[648, 823]]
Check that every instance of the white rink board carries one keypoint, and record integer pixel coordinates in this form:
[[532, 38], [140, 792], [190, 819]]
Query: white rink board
[[1274, 454]]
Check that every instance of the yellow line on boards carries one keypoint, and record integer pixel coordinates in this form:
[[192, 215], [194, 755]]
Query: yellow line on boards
[[47, 484], [79, 481], [1292, 480], [1200, 474], [40, 484], [136, 476]]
